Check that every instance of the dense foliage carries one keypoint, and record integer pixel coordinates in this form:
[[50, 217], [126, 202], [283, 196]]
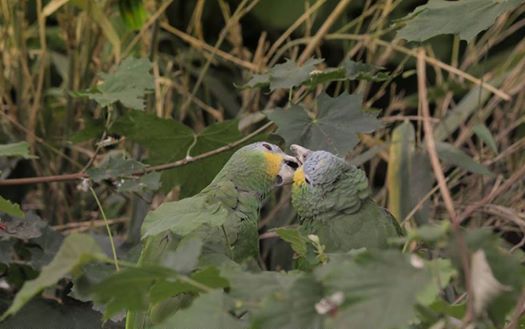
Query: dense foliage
[[111, 108]]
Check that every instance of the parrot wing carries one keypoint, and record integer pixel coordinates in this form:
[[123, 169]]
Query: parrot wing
[[218, 215], [370, 227]]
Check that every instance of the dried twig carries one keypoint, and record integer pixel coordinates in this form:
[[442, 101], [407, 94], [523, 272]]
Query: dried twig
[[440, 176], [179, 163]]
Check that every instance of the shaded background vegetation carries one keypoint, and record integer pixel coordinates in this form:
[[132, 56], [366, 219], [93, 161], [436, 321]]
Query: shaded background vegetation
[[53, 56]]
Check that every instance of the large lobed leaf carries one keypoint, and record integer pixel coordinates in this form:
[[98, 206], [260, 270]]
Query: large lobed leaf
[[289, 74], [194, 176], [152, 283], [210, 311], [128, 84], [277, 299], [466, 18], [334, 128], [168, 140], [380, 289]]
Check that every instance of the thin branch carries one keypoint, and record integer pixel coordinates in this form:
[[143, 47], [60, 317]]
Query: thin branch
[[440, 176], [292, 28], [430, 60], [323, 30], [515, 178], [78, 226], [312, 45], [179, 163], [194, 42], [110, 235], [429, 133]]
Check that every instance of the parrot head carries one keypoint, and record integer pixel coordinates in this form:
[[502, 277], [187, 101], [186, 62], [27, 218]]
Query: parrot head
[[317, 168], [324, 182], [259, 166]]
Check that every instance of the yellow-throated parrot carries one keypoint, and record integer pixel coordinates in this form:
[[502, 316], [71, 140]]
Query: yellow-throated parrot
[[332, 199], [223, 215]]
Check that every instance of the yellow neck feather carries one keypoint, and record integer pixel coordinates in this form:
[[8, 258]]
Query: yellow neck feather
[[273, 163], [298, 176]]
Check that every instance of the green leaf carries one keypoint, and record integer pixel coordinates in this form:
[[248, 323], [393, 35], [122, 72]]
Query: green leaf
[[127, 85], [485, 135], [25, 227], [334, 128], [429, 233], [76, 250], [20, 149], [128, 289], [364, 71], [210, 311], [193, 177], [252, 287], [286, 75], [44, 248], [454, 156], [183, 216], [402, 147], [210, 277], [92, 129], [166, 139], [277, 299], [289, 74], [380, 289], [466, 18], [147, 182], [257, 81], [10, 208], [350, 70], [294, 237], [133, 13], [50, 314], [114, 165], [186, 257], [291, 308], [442, 272]]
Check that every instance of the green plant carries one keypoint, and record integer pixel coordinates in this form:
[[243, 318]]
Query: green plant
[[110, 108]]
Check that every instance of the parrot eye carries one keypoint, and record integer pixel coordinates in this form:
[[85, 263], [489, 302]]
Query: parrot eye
[[267, 146], [292, 164]]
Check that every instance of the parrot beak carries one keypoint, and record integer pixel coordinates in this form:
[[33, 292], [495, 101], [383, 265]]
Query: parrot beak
[[300, 152], [287, 170]]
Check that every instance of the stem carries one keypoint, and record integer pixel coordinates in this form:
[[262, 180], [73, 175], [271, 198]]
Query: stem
[[106, 223], [165, 166]]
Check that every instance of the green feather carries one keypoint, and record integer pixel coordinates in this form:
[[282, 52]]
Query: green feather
[[223, 215], [336, 205]]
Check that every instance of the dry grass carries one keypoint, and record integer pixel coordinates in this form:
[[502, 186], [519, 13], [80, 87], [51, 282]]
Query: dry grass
[[43, 57]]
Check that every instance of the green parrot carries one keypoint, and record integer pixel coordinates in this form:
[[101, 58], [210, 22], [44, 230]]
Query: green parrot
[[332, 199], [233, 198]]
